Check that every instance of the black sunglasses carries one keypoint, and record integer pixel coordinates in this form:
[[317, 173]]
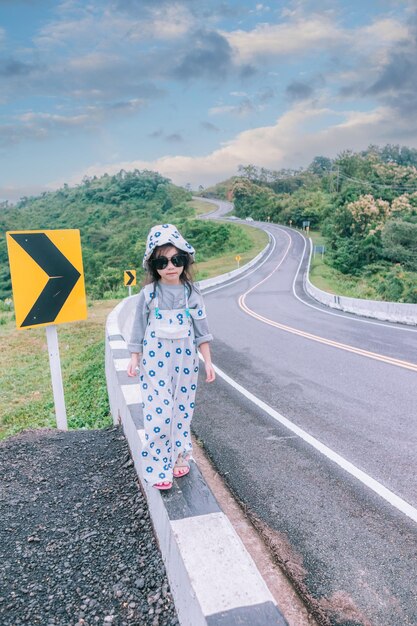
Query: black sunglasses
[[161, 262]]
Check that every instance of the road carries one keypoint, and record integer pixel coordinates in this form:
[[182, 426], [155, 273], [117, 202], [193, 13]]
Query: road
[[336, 491]]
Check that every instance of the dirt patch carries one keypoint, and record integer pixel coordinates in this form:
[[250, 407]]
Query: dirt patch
[[342, 608]]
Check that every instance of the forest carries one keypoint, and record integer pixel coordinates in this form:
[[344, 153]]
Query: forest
[[365, 205], [114, 215]]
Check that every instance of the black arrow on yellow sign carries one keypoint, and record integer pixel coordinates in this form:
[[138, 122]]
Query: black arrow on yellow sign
[[62, 277], [131, 278]]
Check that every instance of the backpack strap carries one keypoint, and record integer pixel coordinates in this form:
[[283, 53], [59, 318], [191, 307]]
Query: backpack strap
[[150, 295]]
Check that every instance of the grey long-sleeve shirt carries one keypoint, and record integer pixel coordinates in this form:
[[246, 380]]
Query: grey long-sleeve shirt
[[169, 297]]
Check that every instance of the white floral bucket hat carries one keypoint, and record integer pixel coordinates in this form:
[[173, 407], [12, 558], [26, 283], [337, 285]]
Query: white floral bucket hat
[[162, 234]]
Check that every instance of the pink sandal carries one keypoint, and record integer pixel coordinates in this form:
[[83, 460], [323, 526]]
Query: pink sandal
[[181, 467], [162, 486]]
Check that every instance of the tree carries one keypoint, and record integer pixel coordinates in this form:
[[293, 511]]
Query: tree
[[399, 243], [320, 165]]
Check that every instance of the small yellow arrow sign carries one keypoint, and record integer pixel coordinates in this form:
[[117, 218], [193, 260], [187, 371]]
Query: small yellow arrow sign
[[47, 277], [238, 257], [130, 277]]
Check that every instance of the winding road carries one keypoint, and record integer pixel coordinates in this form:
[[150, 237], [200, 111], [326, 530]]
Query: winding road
[[312, 422]]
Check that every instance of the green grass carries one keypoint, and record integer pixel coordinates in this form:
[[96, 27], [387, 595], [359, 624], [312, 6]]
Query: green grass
[[201, 207], [26, 399], [227, 262], [328, 279]]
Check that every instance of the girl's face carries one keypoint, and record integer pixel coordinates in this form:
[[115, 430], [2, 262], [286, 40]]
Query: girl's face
[[171, 274]]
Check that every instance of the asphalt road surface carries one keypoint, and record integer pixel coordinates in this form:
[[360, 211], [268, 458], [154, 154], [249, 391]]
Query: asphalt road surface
[[348, 543]]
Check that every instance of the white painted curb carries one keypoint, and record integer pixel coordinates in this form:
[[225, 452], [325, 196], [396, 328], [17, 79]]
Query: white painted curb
[[213, 579], [386, 311]]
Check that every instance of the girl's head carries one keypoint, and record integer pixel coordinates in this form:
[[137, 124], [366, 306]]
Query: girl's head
[[169, 264], [168, 256]]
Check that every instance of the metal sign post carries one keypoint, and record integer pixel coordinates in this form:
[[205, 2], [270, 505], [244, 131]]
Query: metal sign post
[[55, 254], [319, 249], [56, 377], [238, 259]]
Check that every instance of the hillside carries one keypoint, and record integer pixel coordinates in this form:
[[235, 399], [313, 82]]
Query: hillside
[[222, 190], [114, 215], [365, 205]]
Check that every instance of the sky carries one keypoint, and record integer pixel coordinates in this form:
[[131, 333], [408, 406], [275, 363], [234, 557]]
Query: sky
[[195, 88]]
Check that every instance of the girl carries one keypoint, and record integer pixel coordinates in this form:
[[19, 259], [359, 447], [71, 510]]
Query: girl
[[170, 325]]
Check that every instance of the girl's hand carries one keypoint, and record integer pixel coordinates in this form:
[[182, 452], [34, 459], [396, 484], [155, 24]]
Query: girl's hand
[[133, 363], [211, 374]]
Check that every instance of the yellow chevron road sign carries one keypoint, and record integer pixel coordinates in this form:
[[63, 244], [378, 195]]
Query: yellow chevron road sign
[[130, 277], [47, 277]]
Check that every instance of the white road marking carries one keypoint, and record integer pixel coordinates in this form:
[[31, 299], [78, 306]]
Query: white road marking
[[353, 317], [388, 495], [246, 274]]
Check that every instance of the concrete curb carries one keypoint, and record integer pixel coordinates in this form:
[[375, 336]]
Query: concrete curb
[[386, 311], [213, 579]]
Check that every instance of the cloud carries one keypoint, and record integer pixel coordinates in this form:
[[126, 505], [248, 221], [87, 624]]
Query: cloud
[[247, 71], [50, 119], [91, 25], [286, 38], [13, 67], [210, 127], [201, 9], [292, 141], [299, 33], [392, 78], [260, 8], [40, 125], [12, 134], [156, 134], [87, 77], [244, 108], [174, 138], [208, 55], [266, 95], [247, 105], [168, 22], [168, 137], [383, 30], [135, 6], [13, 193], [126, 107], [259, 145], [298, 91]]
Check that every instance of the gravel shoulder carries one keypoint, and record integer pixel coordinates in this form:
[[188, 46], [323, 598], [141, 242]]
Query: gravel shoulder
[[76, 542]]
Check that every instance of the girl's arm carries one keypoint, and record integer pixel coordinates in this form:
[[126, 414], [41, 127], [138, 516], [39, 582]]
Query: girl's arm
[[138, 330], [205, 351], [133, 363]]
